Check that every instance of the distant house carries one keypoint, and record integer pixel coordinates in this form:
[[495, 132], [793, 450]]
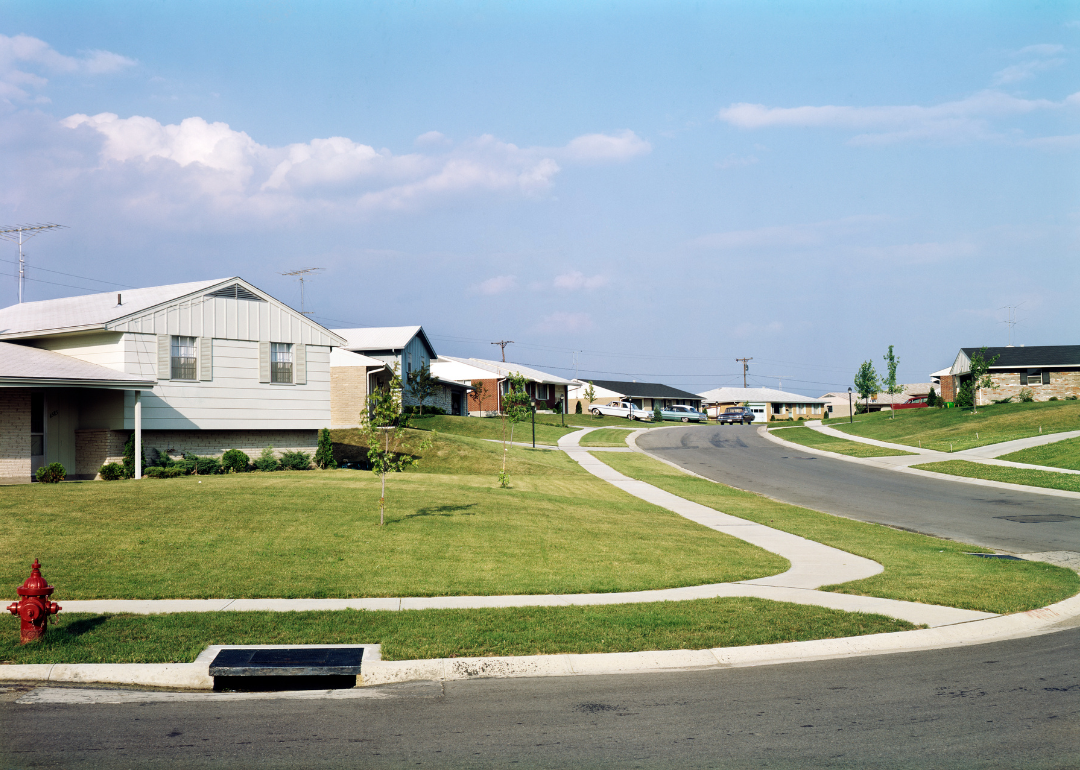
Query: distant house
[[768, 404], [838, 400], [548, 391], [406, 347], [1046, 370], [195, 367], [644, 395]]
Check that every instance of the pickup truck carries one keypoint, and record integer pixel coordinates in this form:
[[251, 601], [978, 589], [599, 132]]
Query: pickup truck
[[621, 409], [734, 414]]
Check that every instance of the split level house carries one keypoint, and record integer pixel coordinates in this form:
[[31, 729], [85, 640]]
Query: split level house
[[767, 404], [197, 367], [643, 395], [489, 383], [1047, 371]]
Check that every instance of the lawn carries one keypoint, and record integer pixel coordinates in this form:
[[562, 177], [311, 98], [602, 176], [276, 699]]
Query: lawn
[[918, 567], [1033, 478], [605, 437], [956, 429], [450, 531], [697, 624], [547, 433], [1063, 454], [811, 438]]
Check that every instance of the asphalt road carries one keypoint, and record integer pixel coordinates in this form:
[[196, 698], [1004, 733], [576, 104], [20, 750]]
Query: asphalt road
[[1011, 704], [736, 455]]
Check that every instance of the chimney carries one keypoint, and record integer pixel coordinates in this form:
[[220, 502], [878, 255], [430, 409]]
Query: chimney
[[118, 302]]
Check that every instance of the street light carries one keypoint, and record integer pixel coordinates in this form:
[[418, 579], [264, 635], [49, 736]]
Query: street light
[[851, 415]]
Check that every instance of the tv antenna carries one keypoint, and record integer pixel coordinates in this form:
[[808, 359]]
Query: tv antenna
[[21, 233], [745, 368], [1011, 320], [302, 273], [502, 345], [780, 380]]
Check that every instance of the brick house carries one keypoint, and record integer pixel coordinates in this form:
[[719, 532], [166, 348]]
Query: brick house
[[548, 391], [1046, 370]]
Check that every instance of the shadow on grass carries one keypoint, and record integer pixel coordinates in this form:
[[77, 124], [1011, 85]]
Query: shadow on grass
[[441, 510], [84, 626]]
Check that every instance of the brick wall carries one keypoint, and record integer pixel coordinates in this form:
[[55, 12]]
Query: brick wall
[[348, 393], [491, 398], [14, 435], [1062, 384], [94, 448], [948, 388]]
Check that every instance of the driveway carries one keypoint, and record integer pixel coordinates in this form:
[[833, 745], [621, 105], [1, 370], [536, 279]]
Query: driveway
[[736, 455]]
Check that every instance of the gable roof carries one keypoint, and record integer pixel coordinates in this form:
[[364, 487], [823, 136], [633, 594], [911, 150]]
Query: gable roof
[[757, 395], [389, 338], [643, 389], [22, 365], [1037, 356], [502, 368]]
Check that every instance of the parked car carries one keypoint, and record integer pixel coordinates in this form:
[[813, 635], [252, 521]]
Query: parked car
[[915, 402], [734, 414], [621, 409], [683, 413]]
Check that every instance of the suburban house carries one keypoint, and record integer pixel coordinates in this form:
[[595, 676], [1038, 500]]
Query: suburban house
[[548, 391], [1046, 370], [644, 395], [407, 348], [838, 399], [768, 404], [196, 367]]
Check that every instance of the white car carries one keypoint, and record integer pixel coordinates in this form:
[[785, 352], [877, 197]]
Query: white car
[[621, 409]]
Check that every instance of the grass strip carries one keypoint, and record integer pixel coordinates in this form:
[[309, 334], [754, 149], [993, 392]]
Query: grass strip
[[416, 634], [1062, 454], [811, 438], [918, 568], [491, 428], [949, 430], [450, 531], [1032, 478], [605, 437]]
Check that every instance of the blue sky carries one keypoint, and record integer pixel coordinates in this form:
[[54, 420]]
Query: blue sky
[[663, 187]]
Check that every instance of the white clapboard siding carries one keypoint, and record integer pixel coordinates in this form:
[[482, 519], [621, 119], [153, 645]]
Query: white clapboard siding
[[300, 364], [164, 357], [206, 358]]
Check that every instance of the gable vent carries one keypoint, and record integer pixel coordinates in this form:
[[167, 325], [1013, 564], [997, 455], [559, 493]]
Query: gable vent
[[236, 291]]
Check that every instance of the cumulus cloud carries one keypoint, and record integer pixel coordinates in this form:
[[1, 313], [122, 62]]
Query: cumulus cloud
[[23, 58], [575, 280], [1025, 70], [498, 284], [592, 148], [432, 139]]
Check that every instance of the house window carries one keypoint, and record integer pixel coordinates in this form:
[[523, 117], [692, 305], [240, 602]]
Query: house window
[[183, 358], [281, 362], [541, 392]]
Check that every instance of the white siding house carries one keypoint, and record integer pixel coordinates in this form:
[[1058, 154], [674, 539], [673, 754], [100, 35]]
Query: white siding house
[[231, 367]]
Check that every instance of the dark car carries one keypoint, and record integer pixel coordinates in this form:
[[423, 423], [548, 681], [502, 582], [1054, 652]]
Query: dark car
[[734, 414]]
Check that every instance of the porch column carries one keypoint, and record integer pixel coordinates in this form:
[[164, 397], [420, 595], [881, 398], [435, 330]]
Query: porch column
[[138, 434]]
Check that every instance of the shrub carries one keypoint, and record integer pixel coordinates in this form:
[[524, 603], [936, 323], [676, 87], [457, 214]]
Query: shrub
[[1026, 396], [657, 415], [295, 461], [1006, 400], [129, 457], [428, 410], [324, 455], [172, 472], [577, 409], [932, 397], [53, 473], [234, 461], [1070, 398], [267, 462], [1053, 398], [112, 471]]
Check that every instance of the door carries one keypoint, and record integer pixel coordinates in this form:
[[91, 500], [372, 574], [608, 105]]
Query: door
[[37, 432], [455, 404]]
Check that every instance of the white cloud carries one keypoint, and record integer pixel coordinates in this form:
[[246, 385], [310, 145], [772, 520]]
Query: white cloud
[[20, 53], [575, 280], [498, 284], [1025, 70], [560, 322], [432, 139], [1040, 49], [605, 147]]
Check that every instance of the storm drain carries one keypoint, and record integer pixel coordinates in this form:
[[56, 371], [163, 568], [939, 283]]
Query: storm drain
[[995, 556], [298, 668], [1039, 518]]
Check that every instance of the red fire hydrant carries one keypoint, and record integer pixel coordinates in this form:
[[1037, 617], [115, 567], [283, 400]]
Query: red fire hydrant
[[34, 607]]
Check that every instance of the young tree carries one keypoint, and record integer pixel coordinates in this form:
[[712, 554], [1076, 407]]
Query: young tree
[[891, 385], [979, 368], [516, 407], [866, 382], [931, 398], [479, 390], [324, 454], [590, 394], [384, 434], [422, 385]]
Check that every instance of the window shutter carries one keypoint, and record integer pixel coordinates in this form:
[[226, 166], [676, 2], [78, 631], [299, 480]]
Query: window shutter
[[264, 362], [206, 358], [300, 364], [164, 356], [1045, 377]]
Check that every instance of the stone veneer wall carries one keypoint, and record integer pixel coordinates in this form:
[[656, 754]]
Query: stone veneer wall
[[348, 394], [1062, 384], [15, 435], [441, 399]]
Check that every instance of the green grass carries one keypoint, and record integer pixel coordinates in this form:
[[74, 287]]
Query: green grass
[[450, 531], [958, 429], [917, 567], [605, 437], [492, 428], [1063, 454], [1032, 478], [606, 420], [411, 635], [811, 438]]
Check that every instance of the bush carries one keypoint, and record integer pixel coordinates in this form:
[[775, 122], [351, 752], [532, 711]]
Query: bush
[[1026, 396], [324, 455], [1053, 398], [577, 409], [657, 414], [1070, 398], [932, 397], [112, 471], [172, 472], [53, 473], [205, 466], [295, 461], [429, 411], [129, 457], [267, 462], [234, 461], [1006, 400]]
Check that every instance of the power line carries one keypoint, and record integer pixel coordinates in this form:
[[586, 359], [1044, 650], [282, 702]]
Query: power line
[[502, 346], [70, 275], [20, 234]]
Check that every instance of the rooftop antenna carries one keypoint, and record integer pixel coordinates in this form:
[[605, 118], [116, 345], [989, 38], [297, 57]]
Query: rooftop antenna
[[502, 344], [1011, 320], [745, 368], [19, 234], [780, 381], [301, 274]]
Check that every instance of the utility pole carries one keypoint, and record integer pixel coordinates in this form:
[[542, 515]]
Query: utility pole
[[502, 344], [745, 368], [19, 234], [1011, 320], [301, 274]]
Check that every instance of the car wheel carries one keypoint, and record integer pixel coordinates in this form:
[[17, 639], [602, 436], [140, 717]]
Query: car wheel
[[686, 419], [595, 412]]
